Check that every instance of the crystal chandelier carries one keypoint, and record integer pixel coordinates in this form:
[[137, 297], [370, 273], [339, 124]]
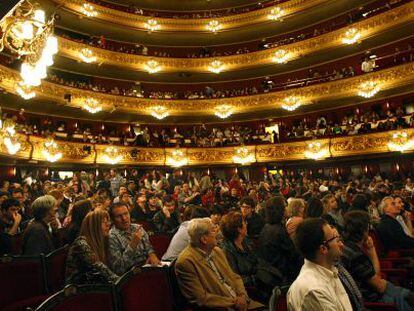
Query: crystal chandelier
[[92, 105], [281, 57], [152, 25], [87, 55], [216, 66], [223, 111], [159, 112], [51, 150], [88, 10], [152, 66], [243, 156], [276, 14], [8, 133], [400, 142], [177, 158], [368, 89], [25, 91], [316, 151], [12, 144], [213, 26], [352, 35], [112, 156], [291, 103]]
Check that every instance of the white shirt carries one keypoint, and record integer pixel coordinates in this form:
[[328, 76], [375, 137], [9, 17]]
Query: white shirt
[[317, 288]]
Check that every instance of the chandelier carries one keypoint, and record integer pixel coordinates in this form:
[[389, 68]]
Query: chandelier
[[112, 156], [159, 112], [152, 66], [25, 91], [51, 150], [8, 134], [152, 25], [92, 105], [275, 14], [352, 35], [88, 10], [216, 66], [291, 103], [12, 144], [281, 57], [316, 151], [400, 142], [223, 111], [243, 156], [368, 89], [177, 158], [87, 55], [213, 26]]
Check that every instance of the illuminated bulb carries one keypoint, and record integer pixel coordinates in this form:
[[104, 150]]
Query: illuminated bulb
[[177, 158], [223, 111], [152, 66], [111, 155], [87, 55], [243, 156], [281, 57], [159, 112], [275, 14], [216, 66], [12, 148], [400, 142], [50, 151], [316, 152], [25, 91], [92, 105], [89, 10], [352, 35], [291, 103], [152, 25], [213, 26], [368, 89]]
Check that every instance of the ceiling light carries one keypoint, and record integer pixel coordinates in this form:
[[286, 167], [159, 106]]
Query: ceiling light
[[152, 25], [223, 111], [368, 89], [291, 103], [152, 66], [92, 105], [281, 57], [213, 26], [275, 14], [159, 112], [352, 35], [87, 55], [88, 10], [216, 66]]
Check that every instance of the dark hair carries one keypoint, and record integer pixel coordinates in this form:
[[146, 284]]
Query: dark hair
[[114, 206], [359, 203], [275, 210], [314, 208], [248, 201], [9, 203], [79, 211], [199, 212], [230, 224], [310, 236], [217, 209], [356, 224], [17, 190]]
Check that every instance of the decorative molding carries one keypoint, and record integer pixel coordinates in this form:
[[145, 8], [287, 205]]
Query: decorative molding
[[368, 27], [338, 147], [196, 25]]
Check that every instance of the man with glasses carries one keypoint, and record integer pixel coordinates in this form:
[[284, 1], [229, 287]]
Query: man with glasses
[[318, 286], [129, 244]]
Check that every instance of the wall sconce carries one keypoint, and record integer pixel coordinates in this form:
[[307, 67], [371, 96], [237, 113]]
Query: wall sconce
[[216, 66], [223, 111], [281, 57], [152, 66], [368, 89], [112, 156], [159, 112], [213, 26], [276, 14], [152, 25], [51, 151], [291, 103], [89, 10], [92, 105], [177, 158], [400, 141], [352, 35], [316, 151], [87, 55], [243, 156]]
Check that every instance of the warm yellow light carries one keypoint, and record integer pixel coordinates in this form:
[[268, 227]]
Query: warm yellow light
[[223, 111], [159, 112], [51, 151], [291, 103], [25, 91], [281, 57], [13, 146], [92, 105], [87, 55], [216, 66], [177, 158], [89, 10], [213, 26], [152, 66], [276, 14], [316, 151], [112, 156], [401, 142], [152, 25], [368, 89], [243, 156], [351, 36]]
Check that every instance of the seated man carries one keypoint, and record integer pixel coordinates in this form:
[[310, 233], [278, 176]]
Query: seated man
[[361, 260], [318, 286], [390, 231], [10, 218], [404, 218], [167, 219], [254, 221], [129, 244], [204, 275]]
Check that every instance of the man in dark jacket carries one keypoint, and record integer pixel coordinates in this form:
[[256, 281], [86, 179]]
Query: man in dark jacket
[[253, 220]]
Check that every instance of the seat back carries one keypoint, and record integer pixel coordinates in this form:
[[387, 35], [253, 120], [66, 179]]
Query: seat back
[[146, 289], [78, 298], [55, 266], [16, 243], [278, 301], [160, 243], [21, 277], [147, 225], [179, 300]]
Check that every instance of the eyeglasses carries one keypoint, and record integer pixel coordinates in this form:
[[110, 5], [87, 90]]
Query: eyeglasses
[[336, 237]]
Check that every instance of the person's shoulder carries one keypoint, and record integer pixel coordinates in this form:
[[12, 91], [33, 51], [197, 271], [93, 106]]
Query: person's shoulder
[[185, 256]]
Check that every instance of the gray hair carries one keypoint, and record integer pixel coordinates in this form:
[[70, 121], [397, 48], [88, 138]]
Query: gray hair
[[383, 204], [197, 228], [42, 206], [294, 206]]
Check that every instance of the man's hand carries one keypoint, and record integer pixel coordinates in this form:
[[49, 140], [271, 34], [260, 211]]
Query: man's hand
[[153, 260], [407, 215], [54, 224], [136, 238], [166, 212], [17, 218], [240, 303]]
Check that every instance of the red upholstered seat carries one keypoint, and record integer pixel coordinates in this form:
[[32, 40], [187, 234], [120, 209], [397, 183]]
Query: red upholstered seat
[[22, 305], [21, 279], [86, 297], [380, 306], [55, 265], [148, 226], [278, 301], [16, 244], [145, 289], [160, 243]]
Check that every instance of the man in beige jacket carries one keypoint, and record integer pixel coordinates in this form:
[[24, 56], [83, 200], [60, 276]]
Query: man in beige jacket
[[204, 275]]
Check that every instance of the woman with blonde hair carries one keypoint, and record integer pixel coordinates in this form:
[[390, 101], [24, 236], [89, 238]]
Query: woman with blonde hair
[[295, 211], [87, 258]]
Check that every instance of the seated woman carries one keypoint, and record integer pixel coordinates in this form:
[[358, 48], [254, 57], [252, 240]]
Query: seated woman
[[37, 238], [295, 211], [239, 253], [87, 258], [79, 211]]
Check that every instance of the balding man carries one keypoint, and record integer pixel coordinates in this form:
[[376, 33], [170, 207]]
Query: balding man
[[204, 275]]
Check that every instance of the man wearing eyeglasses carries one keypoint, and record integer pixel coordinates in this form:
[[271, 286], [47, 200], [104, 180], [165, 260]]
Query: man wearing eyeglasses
[[318, 286]]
